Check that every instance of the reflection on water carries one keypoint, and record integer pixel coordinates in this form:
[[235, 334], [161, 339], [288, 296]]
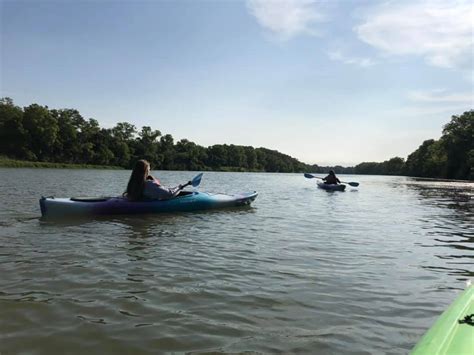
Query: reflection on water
[[303, 270], [452, 231]]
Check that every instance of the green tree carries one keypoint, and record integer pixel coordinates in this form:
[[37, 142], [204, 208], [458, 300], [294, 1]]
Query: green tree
[[458, 140], [13, 136], [236, 156], [368, 168], [251, 158], [67, 147], [88, 139], [41, 131], [217, 156], [167, 152], [123, 133], [189, 156], [393, 166], [146, 146], [415, 162]]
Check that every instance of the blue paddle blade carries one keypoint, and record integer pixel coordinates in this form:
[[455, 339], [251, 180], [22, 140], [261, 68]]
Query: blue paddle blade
[[308, 176], [355, 184], [196, 180]]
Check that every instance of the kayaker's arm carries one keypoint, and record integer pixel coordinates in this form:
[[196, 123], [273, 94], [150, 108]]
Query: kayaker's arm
[[154, 191], [154, 179], [178, 188]]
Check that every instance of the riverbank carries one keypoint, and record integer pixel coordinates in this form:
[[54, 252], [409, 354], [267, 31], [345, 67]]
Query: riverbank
[[12, 163]]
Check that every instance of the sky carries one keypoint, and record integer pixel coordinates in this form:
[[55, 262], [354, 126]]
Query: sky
[[327, 82]]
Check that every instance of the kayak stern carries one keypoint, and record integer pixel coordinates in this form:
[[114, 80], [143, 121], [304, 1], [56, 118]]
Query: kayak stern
[[331, 187]]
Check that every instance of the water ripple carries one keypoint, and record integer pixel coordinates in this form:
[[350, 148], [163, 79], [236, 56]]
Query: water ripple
[[363, 271]]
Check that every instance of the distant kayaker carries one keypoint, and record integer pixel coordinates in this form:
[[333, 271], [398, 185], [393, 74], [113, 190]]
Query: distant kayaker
[[331, 179], [143, 186]]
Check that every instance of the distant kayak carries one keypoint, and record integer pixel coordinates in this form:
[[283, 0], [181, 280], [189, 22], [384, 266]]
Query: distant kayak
[[453, 332], [331, 187], [52, 207]]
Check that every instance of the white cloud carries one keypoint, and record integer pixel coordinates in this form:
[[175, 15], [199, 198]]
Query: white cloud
[[286, 18], [441, 96], [337, 55], [439, 31], [428, 112]]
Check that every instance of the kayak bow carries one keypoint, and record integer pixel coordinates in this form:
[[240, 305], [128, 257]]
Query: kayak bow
[[453, 332]]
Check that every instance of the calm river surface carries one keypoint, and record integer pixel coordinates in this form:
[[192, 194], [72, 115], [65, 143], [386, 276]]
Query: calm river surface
[[367, 270]]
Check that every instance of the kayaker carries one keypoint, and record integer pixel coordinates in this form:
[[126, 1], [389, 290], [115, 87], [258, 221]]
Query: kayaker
[[331, 179], [143, 186]]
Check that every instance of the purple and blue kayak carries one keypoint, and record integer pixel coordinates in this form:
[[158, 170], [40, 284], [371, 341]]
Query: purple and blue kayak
[[331, 187], [186, 201]]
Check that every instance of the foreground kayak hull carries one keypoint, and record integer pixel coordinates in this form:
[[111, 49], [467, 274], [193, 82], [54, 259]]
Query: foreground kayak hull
[[193, 201], [447, 335], [331, 187]]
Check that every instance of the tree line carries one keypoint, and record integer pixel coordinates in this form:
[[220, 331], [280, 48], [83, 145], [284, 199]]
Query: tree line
[[39, 134], [450, 157]]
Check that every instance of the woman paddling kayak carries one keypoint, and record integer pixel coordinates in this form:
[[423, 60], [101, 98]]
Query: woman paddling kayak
[[331, 179], [143, 186], [144, 195]]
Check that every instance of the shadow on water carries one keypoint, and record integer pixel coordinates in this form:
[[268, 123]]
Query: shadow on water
[[144, 220]]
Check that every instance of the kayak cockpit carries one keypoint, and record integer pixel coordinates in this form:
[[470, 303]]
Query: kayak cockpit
[[103, 199]]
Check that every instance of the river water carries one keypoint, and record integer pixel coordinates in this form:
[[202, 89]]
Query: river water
[[303, 270]]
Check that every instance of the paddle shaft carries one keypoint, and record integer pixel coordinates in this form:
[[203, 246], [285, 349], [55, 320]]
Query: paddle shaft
[[187, 184], [195, 182]]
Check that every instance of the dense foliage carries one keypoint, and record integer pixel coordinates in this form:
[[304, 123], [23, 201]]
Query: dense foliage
[[39, 134], [394, 166], [451, 157], [337, 169]]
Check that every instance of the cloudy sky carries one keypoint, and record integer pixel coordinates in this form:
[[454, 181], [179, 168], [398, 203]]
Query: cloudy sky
[[328, 82]]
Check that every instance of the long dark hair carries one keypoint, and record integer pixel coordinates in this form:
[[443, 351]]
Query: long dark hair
[[137, 180]]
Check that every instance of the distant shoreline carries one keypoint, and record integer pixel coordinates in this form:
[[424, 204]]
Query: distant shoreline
[[71, 138], [15, 163], [12, 163]]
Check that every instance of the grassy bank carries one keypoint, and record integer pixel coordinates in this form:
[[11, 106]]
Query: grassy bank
[[11, 163]]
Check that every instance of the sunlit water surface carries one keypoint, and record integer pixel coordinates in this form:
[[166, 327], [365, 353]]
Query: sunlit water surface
[[367, 270]]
